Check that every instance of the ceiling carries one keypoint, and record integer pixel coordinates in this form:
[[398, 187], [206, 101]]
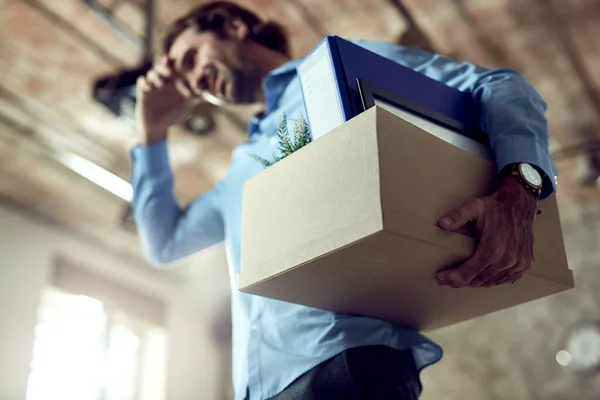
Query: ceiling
[[51, 52]]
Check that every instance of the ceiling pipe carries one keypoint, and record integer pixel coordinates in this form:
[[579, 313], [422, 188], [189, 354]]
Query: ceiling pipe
[[107, 16], [149, 30]]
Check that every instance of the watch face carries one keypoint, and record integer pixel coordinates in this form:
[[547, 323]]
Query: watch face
[[531, 175]]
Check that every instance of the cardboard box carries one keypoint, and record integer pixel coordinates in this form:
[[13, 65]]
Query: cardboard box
[[349, 224]]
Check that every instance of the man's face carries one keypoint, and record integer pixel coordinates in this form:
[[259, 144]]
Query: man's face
[[218, 67]]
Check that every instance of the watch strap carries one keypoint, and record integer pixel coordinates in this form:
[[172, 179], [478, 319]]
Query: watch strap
[[513, 170]]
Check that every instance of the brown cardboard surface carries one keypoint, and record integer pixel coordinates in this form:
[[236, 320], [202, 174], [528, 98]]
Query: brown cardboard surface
[[348, 224]]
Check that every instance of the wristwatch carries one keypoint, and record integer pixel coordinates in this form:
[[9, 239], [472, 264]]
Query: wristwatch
[[526, 175]]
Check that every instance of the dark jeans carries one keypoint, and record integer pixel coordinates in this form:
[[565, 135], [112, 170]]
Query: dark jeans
[[370, 372]]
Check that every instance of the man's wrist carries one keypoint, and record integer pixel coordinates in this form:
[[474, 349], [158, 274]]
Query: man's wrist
[[516, 171], [511, 182], [151, 137], [510, 189]]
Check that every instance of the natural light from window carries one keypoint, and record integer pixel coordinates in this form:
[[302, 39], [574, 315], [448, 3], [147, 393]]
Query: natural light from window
[[85, 350]]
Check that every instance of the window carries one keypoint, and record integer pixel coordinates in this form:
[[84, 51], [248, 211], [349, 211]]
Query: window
[[86, 349]]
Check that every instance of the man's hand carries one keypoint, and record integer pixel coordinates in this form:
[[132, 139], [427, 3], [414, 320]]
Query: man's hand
[[504, 225], [160, 103]]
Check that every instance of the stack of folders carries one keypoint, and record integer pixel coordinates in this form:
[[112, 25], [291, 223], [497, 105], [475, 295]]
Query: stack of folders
[[340, 79]]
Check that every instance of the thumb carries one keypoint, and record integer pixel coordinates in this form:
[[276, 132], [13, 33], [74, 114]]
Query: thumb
[[460, 216]]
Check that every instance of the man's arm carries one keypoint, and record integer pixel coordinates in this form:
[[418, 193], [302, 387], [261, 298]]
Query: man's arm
[[168, 232], [512, 114], [511, 111]]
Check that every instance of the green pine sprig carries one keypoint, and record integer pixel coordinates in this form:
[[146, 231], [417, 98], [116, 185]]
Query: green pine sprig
[[301, 133], [287, 145], [266, 163]]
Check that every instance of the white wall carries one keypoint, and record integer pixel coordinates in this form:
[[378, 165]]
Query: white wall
[[27, 249], [23, 273]]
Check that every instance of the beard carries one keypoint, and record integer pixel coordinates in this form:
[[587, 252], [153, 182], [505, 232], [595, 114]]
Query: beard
[[244, 85], [243, 76]]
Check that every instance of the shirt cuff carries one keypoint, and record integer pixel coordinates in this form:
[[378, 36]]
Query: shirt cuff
[[152, 159], [524, 149]]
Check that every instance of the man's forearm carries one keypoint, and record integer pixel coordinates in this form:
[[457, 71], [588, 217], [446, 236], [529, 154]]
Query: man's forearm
[[155, 208], [512, 113], [168, 232], [148, 137]]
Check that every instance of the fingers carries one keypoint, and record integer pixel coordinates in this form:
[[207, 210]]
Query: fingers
[[473, 272], [489, 276], [167, 61], [463, 274], [502, 272], [161, 74], [165, 68], [142, 84], [151, 81], [183, 89], [460, 216], [505, 248], [493, 280], [510, 279], [154, 79], [488, 261], [514, 273]]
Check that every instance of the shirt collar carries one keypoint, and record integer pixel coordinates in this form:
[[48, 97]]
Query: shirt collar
[[273, 87], [276, 82]]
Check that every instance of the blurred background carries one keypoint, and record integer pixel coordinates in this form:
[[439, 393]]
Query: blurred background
[[84, 317]]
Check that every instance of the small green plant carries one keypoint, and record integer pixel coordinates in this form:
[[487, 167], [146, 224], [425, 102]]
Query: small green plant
[[287, 145]]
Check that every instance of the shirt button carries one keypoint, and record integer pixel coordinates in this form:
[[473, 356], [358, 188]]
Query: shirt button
[[254, 327]]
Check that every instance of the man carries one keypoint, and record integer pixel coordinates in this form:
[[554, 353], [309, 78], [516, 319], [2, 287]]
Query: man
[[284, 351]]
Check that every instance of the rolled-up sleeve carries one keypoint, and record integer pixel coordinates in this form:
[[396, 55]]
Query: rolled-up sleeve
[[168, 232], [511, 111], [513, 114]]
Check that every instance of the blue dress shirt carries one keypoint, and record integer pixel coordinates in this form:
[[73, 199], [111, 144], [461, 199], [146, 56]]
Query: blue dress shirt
[[275, 342]]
